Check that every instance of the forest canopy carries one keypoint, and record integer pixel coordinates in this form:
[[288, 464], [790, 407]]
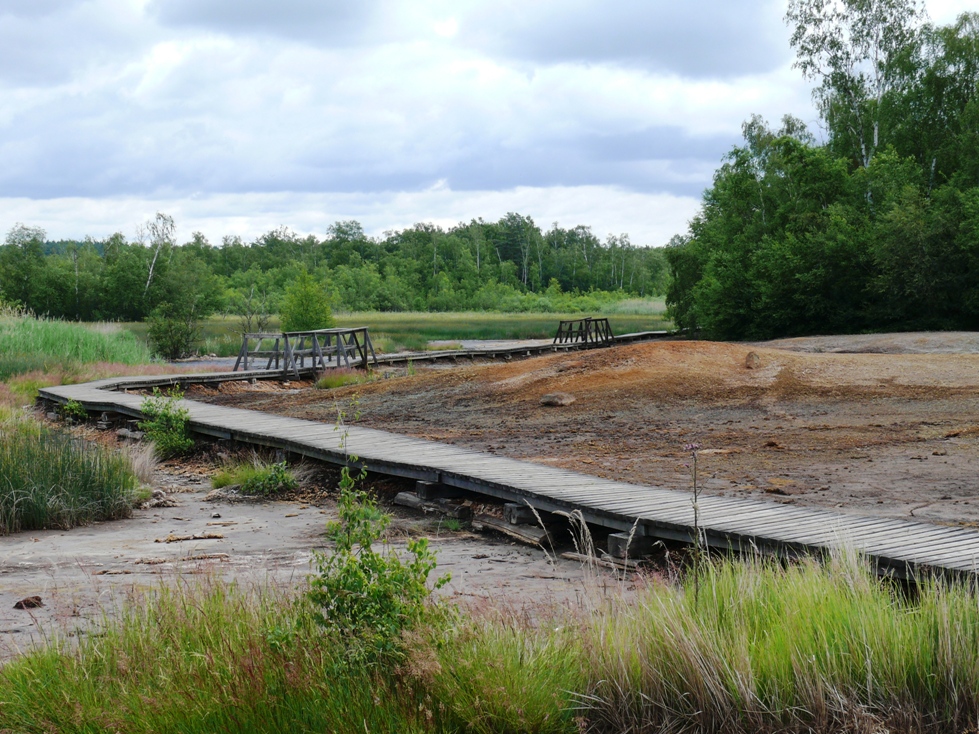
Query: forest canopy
[[875, 228], [508, 265]]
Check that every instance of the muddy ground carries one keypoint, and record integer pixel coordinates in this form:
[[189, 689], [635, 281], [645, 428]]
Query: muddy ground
[[879, 425]]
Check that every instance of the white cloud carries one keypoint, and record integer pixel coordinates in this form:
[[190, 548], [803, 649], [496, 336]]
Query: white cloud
[[301, 110], [650, 219]]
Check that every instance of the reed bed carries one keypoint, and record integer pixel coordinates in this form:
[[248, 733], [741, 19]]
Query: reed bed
[[29, 344], [49, 479]]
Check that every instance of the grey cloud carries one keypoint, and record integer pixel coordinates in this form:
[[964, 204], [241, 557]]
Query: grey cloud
[[99, 146], [656, 160], [311, 20], [55, 40], [718, 38], [32, 8]]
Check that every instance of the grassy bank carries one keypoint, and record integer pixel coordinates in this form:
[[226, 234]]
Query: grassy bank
[[50, 480], [759, 649]]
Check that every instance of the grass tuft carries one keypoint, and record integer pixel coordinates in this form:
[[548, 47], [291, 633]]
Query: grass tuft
[[762, 648], [204, 658], [340, 377], [256, 477], [49, 479]]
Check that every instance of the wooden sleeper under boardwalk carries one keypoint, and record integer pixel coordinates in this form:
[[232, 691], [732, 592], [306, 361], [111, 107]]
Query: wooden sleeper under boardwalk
[[900, 547]]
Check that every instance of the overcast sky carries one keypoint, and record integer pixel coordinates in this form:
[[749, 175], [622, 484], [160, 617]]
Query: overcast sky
[[238, 116]]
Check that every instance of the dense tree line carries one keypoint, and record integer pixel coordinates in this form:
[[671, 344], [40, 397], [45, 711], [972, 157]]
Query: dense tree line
[[509, 265], [877, 227]]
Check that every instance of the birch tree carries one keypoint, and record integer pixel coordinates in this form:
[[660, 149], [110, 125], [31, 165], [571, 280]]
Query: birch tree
[[858, 51]]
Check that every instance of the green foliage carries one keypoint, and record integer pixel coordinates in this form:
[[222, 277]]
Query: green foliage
[[364, 597], [73, 410], [257, 478], [171, 333], [509, 266], [50, 480], [165, 423], [306, 305], [873, 230]]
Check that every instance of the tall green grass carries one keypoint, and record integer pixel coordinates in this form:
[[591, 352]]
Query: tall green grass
[[207, 658], [30, 344], [50, 480], [760, 648]]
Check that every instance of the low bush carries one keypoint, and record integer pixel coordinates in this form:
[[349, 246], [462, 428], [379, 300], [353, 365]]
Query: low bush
[[366, 598], [49, 479], [165, 423], [73, 411]]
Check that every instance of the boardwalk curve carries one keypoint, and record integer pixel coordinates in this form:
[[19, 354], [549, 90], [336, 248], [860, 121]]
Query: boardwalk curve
[[899, 546]]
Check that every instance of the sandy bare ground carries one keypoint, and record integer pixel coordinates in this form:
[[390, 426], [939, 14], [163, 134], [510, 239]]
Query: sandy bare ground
[[893, 431], [86, 573]]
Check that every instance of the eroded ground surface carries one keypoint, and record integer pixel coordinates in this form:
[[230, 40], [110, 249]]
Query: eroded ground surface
[[892, 431], [88, 572]]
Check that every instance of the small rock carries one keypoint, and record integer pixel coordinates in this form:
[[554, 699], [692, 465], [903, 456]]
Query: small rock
[[752, 361], [557, 399], [30, 602], [215, 515]]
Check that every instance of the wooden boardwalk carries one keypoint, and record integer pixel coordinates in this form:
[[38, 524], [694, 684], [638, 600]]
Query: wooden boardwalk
[[896, 546]]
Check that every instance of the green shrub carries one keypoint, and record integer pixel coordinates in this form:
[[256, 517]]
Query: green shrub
[[49, 479], [257, 478], [172, 331], [165, 423], [367, 598], [306, 305], [73, 411]]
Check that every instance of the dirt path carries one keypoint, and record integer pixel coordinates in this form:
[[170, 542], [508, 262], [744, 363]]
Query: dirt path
[[888, 433]]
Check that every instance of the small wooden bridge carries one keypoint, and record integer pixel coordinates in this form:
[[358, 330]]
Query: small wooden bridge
[[324, 348], [589, 332], [900, 547]]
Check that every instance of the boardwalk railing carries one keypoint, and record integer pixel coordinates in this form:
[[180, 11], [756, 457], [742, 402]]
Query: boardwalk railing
[[585, 331], [289, 351]]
